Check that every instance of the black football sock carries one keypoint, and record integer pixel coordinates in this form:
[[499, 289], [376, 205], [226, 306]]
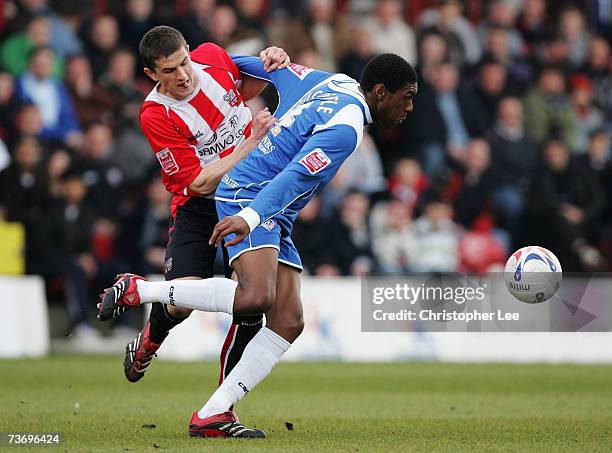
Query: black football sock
[[241, 332], [161, 322]]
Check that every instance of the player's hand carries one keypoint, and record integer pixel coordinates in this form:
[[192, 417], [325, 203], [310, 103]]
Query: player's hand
[[274, 58], [227, 226], [262, 123]]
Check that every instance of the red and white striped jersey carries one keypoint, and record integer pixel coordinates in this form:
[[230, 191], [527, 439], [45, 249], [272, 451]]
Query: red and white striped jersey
[[206, 126]]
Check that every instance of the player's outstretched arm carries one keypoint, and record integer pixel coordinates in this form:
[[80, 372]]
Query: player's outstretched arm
[[208, 179], [271, 59], [300, 178], [314, 166]]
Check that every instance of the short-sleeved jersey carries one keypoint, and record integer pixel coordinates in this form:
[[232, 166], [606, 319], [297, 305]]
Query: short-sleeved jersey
[[321, 120], [187, 135]]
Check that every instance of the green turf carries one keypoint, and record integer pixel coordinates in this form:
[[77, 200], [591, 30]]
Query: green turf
[[333, 407]]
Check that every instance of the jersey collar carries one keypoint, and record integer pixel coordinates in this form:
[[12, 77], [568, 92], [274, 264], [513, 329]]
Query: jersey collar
[[345, 84]]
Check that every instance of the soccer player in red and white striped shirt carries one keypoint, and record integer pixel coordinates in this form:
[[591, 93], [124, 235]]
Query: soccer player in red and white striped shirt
[[199, 128]]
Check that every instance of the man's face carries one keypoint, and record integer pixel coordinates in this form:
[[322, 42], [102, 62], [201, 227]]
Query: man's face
[[175, 74], [392, 108], [41, 64]]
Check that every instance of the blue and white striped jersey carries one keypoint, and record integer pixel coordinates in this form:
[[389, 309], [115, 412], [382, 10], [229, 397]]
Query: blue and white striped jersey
[[321, 120]]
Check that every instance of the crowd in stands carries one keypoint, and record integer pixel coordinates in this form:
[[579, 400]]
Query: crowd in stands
[[508, 144]]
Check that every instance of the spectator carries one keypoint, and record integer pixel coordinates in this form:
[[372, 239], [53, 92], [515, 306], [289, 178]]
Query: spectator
[[349, 239], [597, 160], [573, 29], [28, 122], [407, 183], [461, 36], [329, 33], [469, 185], [433, 50], [513, 159], [224, 26], [104, 180], [564, 204], [154, 236], [532, 25], [38, 86], [491, 88], [588, 117], [363, 169], [68, 230], [436, 238], [548, 109], [555, 51], [196, 23], [599, 164], [502, 15], [480, 250], [392, 239], [117, 90], [597, 68], [139, 17], [57, 164], [361, 49], [80, 83], [498, 49], [310, 238], [23, 196], [448, 117], [389, 31], [64, 40], [16, 50], [7, 104], [102, 37]]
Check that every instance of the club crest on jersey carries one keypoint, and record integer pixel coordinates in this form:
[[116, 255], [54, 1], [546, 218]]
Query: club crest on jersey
[[167, 161], [315, 161], [231, 98], [269, 224], [299, 70]]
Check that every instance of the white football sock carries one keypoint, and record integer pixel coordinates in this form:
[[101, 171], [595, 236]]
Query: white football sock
[[211, 294], [259, 358]]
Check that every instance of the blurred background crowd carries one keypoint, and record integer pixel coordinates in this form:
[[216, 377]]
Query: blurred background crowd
[[508, 144]]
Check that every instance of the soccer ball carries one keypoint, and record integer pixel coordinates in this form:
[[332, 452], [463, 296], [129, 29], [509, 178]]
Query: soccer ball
[[533, 274]]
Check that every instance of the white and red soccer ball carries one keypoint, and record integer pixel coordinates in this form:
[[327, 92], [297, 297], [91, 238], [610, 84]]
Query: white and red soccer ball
[[533, 274]]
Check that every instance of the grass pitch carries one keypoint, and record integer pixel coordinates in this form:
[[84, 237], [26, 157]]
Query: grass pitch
[[333, 407]]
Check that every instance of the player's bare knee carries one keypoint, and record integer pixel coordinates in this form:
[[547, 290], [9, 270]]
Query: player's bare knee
[[295, 327], [287, 324], [179, 312], [256, 300]]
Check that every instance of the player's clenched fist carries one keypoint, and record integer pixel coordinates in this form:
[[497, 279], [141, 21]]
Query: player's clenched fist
[[227, 226], [274, 58], [262, 123]]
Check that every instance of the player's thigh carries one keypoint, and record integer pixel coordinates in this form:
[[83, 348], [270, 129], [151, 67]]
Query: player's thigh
[[285, 317], [189, 256], [256, 273], [188, 253]]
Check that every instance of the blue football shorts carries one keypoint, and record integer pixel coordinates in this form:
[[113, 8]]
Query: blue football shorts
[[272, 233]]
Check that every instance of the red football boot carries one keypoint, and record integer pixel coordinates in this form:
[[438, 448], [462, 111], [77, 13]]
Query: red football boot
[[138, 355], [225, 424], [120, 297]]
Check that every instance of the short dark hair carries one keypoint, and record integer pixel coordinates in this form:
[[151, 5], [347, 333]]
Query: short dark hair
[[389, 69], [159, 42], [38, 49]]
